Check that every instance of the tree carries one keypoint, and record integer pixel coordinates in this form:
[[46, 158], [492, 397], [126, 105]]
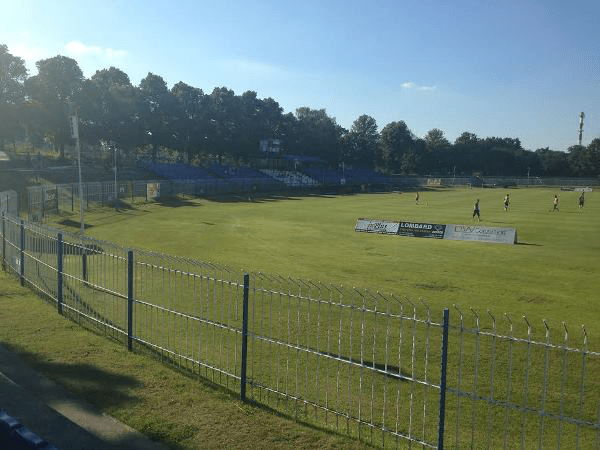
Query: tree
[[585, 161], [396, 141], [224, 121], [318, 134], [361, 143], [437, 152], [435, 140], [54, 90], [467, 139], [191, 119], [156, 108], [108, 107], [13, 74]]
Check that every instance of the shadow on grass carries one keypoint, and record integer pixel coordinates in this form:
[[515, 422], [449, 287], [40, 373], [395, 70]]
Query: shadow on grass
[[70, 223], [105, 390], [176, 202]]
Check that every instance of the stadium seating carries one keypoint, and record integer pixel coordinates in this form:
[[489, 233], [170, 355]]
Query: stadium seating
[[290, 178], [14, 436], [347, 176], [180, 172]]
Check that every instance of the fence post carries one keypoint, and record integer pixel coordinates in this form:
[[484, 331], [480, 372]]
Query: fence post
[[443, 374], [244, 338], [129, 299], [22, 254], [84, 270], [59, 270]]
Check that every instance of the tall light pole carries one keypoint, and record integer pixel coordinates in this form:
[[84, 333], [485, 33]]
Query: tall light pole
[[581, 117], [75, 135], [116, 191]]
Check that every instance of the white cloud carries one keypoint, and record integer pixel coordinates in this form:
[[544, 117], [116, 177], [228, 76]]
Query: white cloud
[[418, 87], [115, 53], [77, 48], [28, 53]]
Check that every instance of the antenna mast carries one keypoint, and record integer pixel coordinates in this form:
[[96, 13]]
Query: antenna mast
[[581, 117]]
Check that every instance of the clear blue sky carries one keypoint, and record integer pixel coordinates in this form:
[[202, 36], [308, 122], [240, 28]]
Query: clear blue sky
[[508, 68]]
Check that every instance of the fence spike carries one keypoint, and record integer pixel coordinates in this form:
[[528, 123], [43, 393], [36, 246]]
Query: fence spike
[[476, 314], [459, 313], [493, 319], [585, 336], [528, 325]]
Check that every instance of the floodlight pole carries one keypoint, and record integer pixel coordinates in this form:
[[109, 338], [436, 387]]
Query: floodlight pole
[[581, 117], [75, 134], [116, 191]]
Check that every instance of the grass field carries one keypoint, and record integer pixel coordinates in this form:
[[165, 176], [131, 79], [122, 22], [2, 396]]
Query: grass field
[[552, 273], [142, 392]]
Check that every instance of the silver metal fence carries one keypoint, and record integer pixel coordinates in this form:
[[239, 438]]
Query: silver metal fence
[[9, 202], [374, 366]]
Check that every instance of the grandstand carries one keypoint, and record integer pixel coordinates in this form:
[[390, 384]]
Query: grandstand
[[309, 177], [346, 176], [290, 178], [181, 172], [240, 174]]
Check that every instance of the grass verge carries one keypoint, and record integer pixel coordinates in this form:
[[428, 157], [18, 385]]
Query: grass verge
[[180, 412]]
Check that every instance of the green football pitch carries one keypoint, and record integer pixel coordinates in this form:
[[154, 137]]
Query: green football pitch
[[552, 272]]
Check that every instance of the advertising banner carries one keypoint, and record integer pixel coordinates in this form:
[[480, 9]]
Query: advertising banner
[[454, 232], [424, 230], [153, 190], [481, 233], [376, 226]]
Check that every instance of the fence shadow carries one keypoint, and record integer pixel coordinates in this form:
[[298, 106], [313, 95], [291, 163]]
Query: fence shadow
[[75, 224], [84, 380]]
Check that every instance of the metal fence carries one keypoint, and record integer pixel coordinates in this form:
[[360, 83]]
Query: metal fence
[[373, 366], [45, 200], [9, 202]]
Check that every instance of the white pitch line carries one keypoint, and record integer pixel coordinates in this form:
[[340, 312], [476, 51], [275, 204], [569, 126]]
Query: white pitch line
[[8, 379]]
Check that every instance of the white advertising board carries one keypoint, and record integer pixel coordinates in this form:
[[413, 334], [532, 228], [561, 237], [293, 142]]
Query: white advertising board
[[376, 226], [481, 233], [153, 190]]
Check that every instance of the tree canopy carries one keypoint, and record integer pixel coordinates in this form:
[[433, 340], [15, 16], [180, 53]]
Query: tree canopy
[[195, 124]]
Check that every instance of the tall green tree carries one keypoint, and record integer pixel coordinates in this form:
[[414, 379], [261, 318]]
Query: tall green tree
[[108, 108], [396, 145], [156, 110], [190, 123], [54, 90], [13, 74], [467, 138], [318, 134], [435, 140], [224, 121], [585, 161], [361, 144]]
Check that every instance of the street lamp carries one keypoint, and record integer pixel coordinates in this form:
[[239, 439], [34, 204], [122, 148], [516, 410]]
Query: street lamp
[[74, 122], [116, 191]]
